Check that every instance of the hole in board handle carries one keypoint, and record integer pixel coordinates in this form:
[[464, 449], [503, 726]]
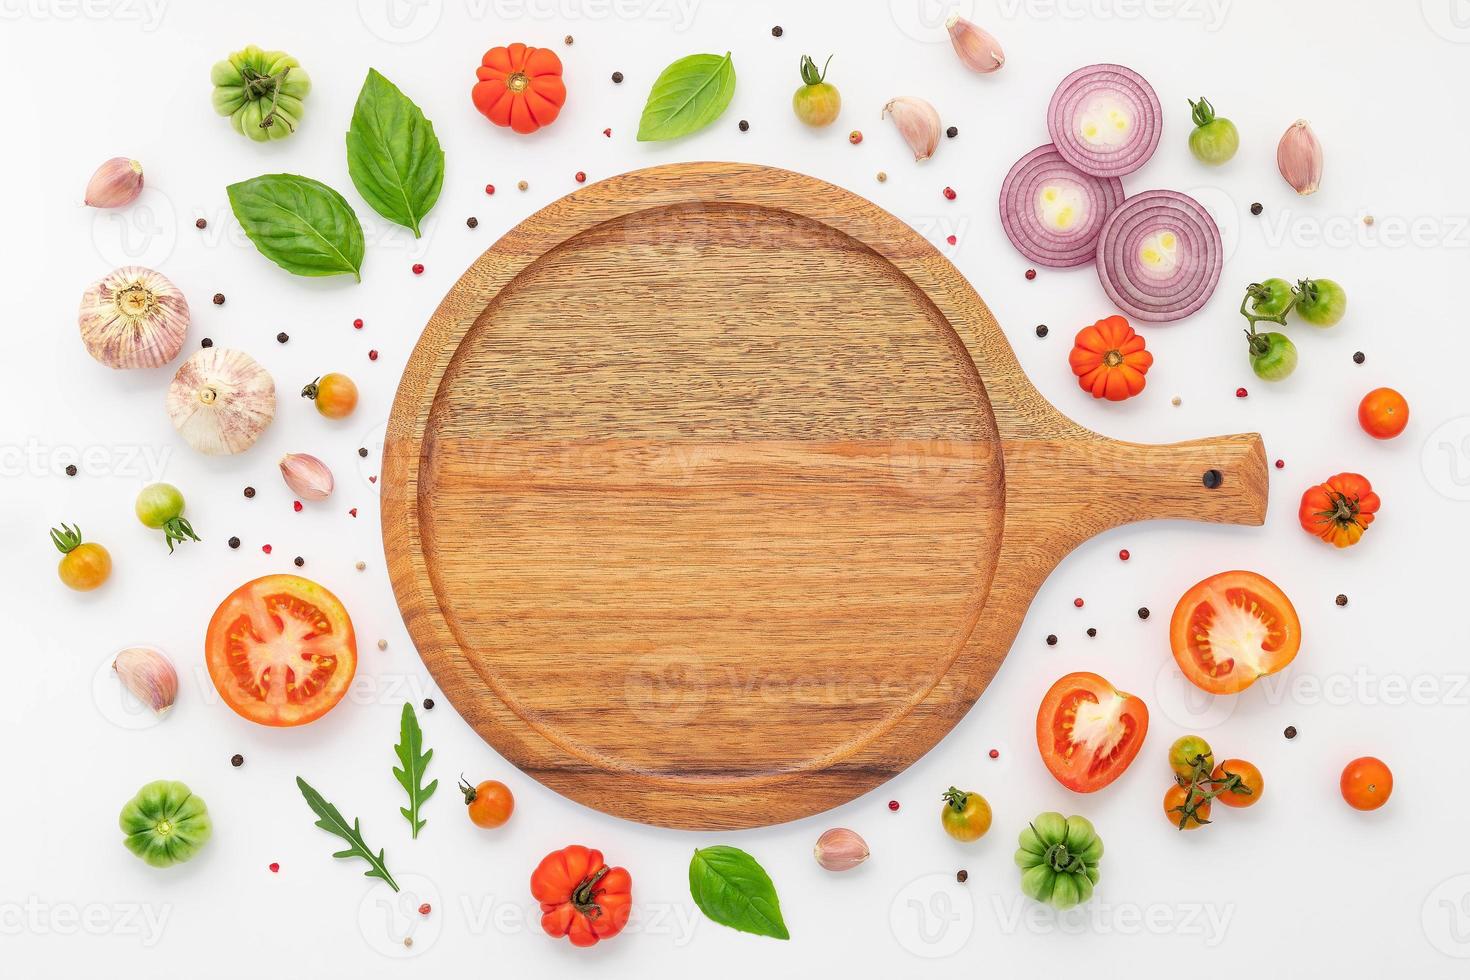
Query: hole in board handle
[[1212, 479]]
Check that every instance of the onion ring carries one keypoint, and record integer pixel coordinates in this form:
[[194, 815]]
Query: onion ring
[[1052, 212], [1159, 256], [1105, 120]]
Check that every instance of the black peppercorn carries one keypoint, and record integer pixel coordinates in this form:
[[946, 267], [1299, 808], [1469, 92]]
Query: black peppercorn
[[744, 126], [952, 132], [1359, 357], [1290, 731], [237, 760], [206, 343], [1051, 639], [219, 299], [234, 542], [617, 78], [71, 469], [962, 876], [1341, 599], [776, 31], [1092, 631], [200, 223], [472, 222], [1042, 330], [282, 337], [362, 452], [1256, 208], [1212, 479], [428, 704], [249, 492], [298, 561], [1143, 612]]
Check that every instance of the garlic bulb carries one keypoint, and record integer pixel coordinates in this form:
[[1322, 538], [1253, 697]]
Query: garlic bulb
[[977, 48], [133, 318], [840, 849], [117, 182], [221, 401], [149, 675], [918, 124], [1299, 158], [308, 477]]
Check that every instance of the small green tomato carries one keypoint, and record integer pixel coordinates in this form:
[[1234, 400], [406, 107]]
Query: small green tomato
[[261, 92], [165, 823], [1273, 356], [1320, 302], [161, 505], [817, 102], [1271, 298], [1213, 140]]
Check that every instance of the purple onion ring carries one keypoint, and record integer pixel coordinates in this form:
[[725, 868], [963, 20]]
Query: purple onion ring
[[1077, 99], [1021, 209], [1188, 279]]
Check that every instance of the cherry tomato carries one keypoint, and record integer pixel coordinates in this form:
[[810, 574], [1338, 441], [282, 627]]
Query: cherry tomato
[[335, 395], [1366, 783], [1088, 731], [966, 815], [1270, 298], [817, 102], [1184, 753], [490, 803], [1173, 809], [84, 565], [1383, 413], [1320, 302], [1250, 779], [281, 650], [1231, 629], [1273, 356], [1214, 139]]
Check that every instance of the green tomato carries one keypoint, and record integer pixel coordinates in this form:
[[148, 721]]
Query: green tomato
[[817, 102], [1273, 356], [165, 823], [261, 92], [1185, 750], [1320, 302], [1213, 140], [1058, 857], [161, 505], [1270, 298]]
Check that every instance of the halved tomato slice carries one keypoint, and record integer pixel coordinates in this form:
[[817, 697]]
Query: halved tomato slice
[[1233, 628], [1089, 731], [281, 650]]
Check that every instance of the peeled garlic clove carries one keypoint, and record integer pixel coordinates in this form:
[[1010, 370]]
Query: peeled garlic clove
[[117, 182], [977, 48], [1299, 158], [149, 675], [221, 401], [918, 124], [133, 318], [307, 476], [840, 849]]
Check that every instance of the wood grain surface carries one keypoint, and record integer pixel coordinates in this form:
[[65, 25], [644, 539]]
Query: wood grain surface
[[713, 495]]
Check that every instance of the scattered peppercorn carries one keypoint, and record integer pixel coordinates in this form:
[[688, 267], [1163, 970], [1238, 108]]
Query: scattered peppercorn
[[521, 185], [200, 223], [1212, 479], [581, 176], [357, 324], [234, 542], [1359, 357], [882, 176], [1256, 208], [219, 299], [1030, 274], [372, 355], [855, 137], [249, 492], [607, 132], [1077, 602], [1176, 401], [995, 753], [265, 548], [953, 240], [206, 343], [424, 909], [961, 876], [567, 39], [949, 194], [382, 644], [296, 506], [1124, 555], [617, 78], [1143, 612], [282, 337], [1042, 330], [893, 805], [1091, 631], [71, 469], [952, 132], [745, 125], [428, 704], [408, 941], [776, 31], [1341, 599], [237, 760], [275, 867], [489, 188], [362, 451], [1051, 639], [1281, 464], [1367, 219], [418, 268], [298, 561], [1241, 393], [1290, 731]]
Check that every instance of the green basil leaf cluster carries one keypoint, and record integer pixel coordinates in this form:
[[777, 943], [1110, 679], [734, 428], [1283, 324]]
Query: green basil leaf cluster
[[393, 156], [687, 96], [300, 224], [731, 888]]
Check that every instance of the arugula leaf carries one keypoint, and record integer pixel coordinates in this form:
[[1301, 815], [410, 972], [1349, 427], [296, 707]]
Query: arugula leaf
[[300, 224], [331, 821], [687, 96], [731, 888], [414, 761], [393, 156]]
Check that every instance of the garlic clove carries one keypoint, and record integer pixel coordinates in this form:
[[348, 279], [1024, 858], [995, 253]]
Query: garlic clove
[[117, 182], [308, 477], [1299, 158], [840, 849], [221, 400], [918, 124], [149, 675], [133, 318], [978, 49]]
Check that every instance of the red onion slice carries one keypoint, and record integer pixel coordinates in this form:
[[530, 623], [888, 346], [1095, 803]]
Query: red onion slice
[[1159, 256], [1052, 212], [1105, 120]]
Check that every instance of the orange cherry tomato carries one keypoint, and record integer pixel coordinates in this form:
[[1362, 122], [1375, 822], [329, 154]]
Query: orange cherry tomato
[[1383, 413], [490, 803], [1088, 731], [84, 565], [1109, 359], [1340, 509], [281, 650], [581, 897], [1174, 809], [520, 87], [1250, 779], [335, 395], [1366, 783], [1231, 629]]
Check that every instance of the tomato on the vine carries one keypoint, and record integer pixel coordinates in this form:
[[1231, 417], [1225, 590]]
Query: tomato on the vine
[[1231, 629], [966, 815], [1366, 783], [1089, 731], [1189, 752], [1174, 808], [1247, 776]]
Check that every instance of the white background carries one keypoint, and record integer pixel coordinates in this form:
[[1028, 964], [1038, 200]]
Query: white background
[[1299, 884]]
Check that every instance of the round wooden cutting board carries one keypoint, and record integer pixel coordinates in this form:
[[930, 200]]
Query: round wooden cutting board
[[713, 495]]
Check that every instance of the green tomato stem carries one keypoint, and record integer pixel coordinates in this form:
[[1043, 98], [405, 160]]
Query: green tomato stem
[[956, 798], [1201, 112], [1255, 291]]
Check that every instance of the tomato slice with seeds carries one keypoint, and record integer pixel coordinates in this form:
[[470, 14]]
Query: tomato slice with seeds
[[281, 650], [1089, 731], [1233, 628]]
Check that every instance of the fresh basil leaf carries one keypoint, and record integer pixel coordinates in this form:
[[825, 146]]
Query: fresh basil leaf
[[393, 156], [300, 224], [731, 888], [688, 96]]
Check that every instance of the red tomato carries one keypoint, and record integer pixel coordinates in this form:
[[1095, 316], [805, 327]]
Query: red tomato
[[1231, 629], [1088, 731], [1383, 413], [581, 897], [281, 650], [1366, 783]]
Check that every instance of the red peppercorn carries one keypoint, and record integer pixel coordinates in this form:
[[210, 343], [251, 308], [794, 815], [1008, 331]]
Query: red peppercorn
[[296, 506], [424, 909], [372, 355], [1241, 393], [1124, 555], [275, 867], [1030, 274], [1281, 464], [607, 132], [855, 137], [893, 805], [581, 176], [489, 188], [353, 512], [949, 194], [1077, 602], [418, 268], [357, 324], [995, 753], [952, 239], [266, 548]]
